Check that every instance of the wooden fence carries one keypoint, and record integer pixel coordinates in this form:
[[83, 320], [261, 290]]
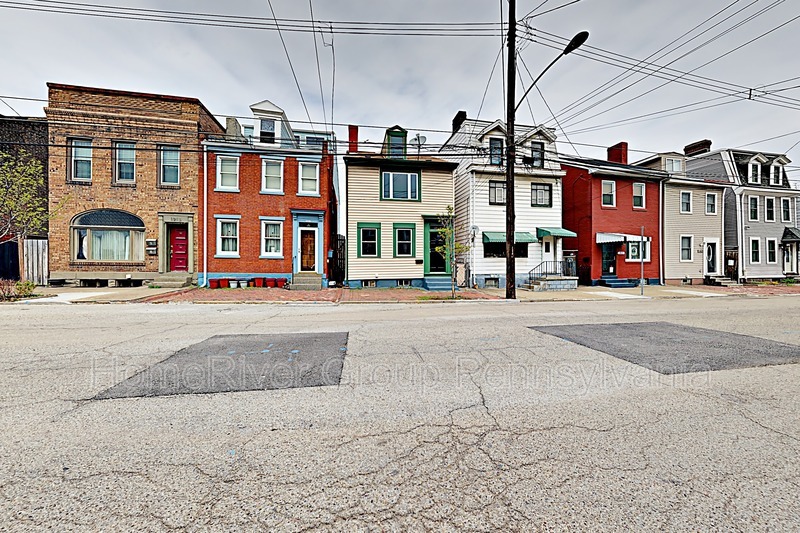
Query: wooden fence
[[35, 260]]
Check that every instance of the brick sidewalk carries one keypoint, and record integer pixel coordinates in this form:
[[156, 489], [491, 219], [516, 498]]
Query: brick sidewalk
[[255, 294]]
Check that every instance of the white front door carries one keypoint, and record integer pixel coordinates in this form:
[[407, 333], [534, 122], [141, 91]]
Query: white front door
[[790, 258], [711, 257], [548, 249]]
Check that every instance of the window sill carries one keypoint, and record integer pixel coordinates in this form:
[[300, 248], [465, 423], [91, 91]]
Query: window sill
[[123, 185], [311, 194], [81, 262], [220, 189], [217, 256], [542, 206], [272, 193], [637, 261], [168, 186], [685, 212], [608, 207], [684, 261], [639, 208], [79, 182], [711, 214], [270, 257]]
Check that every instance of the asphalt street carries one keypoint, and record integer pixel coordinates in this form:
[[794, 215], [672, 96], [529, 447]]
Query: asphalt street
[[450, 417]]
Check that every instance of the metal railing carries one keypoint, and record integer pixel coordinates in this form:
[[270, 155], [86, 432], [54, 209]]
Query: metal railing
[[546, 269]]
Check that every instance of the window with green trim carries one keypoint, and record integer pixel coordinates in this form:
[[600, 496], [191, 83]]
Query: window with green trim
[[400, 186], [404, 240], [369, 240], [397, 144]]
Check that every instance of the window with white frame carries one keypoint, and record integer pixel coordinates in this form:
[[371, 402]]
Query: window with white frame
[[674, 165], [786, 209], [247, 131], [755, 250], [369, 241], [633, 250], [752, 212], [495, 151], [266, 132], [403, 242], [227, 237], [124, 162], [776, 175], [686, 202], [309, 178], [227, 173], [81, 155], [638, 196], [609, 194], [687, 248], [271, 238], [107, 235], [271, 176], [169, 165], [400, 186], [711, 203], [769, 209], [772, 251], [754, 172]]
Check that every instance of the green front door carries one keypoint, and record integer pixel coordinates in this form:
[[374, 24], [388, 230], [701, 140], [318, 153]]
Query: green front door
[[434, 261]]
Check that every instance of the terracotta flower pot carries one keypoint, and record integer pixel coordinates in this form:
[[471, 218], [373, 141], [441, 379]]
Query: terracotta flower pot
[[281, 282], [213, 283], [259, 282], [270, 282]]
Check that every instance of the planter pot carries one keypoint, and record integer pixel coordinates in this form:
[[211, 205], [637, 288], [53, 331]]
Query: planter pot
[[213, 284], [233, 284], [281, 282], [259, 282], [270, 282]]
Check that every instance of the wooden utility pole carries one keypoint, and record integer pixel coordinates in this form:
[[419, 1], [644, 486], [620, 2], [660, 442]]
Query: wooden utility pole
[[511, 270]]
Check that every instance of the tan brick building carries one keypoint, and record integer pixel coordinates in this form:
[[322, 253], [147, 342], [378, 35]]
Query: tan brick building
[[125, 166]]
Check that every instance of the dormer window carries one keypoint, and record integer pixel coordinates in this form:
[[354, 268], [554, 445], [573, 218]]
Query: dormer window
[[674, 165], [776, 174], [537, 154], [396, 143], [266, 131], [247, 131], [754, 170], [495, 151]]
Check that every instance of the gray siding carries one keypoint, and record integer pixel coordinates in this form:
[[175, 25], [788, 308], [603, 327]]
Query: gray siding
[[763, 231]]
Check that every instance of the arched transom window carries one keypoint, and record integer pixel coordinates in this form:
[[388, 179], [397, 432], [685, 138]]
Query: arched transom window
[[107, 235]]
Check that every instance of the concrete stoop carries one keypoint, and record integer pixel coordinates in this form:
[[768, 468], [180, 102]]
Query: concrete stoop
[[171, 280], [306, 281]]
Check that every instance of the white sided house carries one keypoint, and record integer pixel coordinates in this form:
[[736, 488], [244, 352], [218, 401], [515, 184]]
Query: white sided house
[[395, 202], [693, 221], [480, 204]]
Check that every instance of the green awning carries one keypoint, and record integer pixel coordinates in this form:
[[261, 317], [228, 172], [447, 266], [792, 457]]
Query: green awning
[[500, 236], [554, 232]]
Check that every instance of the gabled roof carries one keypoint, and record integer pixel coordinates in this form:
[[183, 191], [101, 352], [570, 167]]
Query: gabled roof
[[267, 107], [656, 157], [600, 166], [522, 133]]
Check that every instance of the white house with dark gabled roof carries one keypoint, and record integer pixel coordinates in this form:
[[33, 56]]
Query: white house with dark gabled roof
[[760, 207], [480, 204]]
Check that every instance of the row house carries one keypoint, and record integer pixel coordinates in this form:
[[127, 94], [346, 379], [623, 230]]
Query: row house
[[395, 204], [615, 210], [478, 147], [760, 210], [268, 201], [123, 183], [693, 219]]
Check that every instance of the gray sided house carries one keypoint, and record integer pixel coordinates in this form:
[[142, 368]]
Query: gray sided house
[[760, 210], [693, 221]]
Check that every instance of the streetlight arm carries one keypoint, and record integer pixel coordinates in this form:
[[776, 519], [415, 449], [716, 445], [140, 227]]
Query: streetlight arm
[[553, 62]]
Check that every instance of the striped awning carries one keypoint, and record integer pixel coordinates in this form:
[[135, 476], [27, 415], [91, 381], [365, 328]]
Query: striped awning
[[500, 236], [554, 232], [603, 238]]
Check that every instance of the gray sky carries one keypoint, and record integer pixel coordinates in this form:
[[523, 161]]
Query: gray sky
[[420, 82]]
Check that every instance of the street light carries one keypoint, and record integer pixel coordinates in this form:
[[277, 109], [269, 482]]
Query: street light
[[511, 110]]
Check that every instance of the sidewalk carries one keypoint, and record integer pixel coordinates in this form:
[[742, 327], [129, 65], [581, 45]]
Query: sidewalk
[[68, 295]]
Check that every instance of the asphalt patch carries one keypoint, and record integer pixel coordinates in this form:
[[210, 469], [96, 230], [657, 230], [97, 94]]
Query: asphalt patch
[[228, 363], [674, 349]]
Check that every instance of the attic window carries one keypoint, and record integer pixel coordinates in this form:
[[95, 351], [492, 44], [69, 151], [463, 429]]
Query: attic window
[[674, 165], [396, 143], [537, 154], [267, 131], [495, 151], [776, 174], [754, 172]]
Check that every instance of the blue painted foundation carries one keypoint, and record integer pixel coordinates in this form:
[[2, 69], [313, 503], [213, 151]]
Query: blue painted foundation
[[249, 276]]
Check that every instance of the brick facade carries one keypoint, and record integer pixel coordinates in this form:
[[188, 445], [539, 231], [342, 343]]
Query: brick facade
[[250, 204], [105, 117]]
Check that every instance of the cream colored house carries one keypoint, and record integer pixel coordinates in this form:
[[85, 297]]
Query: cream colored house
[[395, 200], [693, 221]]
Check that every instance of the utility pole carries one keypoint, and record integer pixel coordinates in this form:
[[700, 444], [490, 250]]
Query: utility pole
[[511, 270]]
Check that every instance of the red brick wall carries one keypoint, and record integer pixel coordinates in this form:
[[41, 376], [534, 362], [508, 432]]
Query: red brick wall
[[251, 204]]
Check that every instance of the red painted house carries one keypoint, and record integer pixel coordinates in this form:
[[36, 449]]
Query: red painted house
[[607, 203], [267, 202]]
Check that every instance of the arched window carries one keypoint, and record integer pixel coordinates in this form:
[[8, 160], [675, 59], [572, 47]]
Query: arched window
[[107, 235]]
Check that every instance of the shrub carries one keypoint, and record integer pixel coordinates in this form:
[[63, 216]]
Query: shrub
[[25, 288], [7, 289]]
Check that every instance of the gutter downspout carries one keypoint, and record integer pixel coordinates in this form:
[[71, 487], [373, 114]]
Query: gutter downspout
[[723, 262], [661, 233], [205, 216], [742, 254]]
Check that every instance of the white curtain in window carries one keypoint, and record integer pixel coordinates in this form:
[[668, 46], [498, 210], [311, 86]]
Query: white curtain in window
[[111, 245]]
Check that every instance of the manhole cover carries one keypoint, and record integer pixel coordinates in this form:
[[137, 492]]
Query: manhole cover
[[674, 349], [227, 363]]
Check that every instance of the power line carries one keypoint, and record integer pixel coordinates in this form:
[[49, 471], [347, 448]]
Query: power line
[[319, 71]]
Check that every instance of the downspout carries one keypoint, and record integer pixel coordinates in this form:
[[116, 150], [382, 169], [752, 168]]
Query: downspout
[[740, 201], [205, 216], [660, 233], [723, 257]]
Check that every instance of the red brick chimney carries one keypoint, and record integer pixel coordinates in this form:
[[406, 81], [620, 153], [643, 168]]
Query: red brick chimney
[[699, 147], [353, 132], [618, 153]]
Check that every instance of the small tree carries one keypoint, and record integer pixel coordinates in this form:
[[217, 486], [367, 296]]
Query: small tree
[[450, 249], [23, 197]]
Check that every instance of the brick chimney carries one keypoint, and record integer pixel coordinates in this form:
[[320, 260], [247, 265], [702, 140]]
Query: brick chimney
[[233, 130], [696, 148], [458, 120], [353, 140], [618, 153]]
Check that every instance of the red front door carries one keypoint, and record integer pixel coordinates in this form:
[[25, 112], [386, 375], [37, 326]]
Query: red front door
[[178, 248]]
